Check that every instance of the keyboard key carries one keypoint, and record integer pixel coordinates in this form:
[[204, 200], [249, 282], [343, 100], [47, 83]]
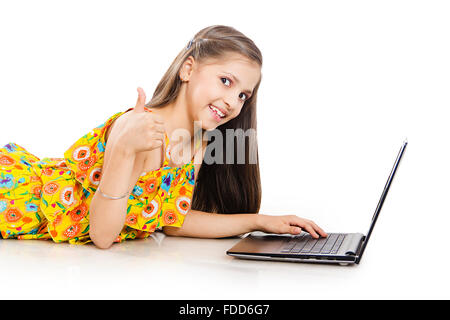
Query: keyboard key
[[330, 243], [338, 243], [309, 245], [300, 244], [319, 244], [289, 245]]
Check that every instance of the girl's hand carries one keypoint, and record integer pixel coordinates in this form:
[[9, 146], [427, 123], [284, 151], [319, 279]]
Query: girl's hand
[[288, 224], [138, 130]]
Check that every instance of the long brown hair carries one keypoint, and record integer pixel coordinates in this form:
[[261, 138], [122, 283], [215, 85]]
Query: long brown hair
[[220, 188]]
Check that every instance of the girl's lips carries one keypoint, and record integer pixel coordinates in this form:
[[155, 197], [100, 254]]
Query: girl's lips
[[215, 115], [221, 110]]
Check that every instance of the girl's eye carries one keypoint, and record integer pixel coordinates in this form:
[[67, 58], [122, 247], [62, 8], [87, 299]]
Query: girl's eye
[[225, 79], [230, 83]]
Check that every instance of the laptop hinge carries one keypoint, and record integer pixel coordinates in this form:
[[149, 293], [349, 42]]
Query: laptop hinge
[[360, 248]]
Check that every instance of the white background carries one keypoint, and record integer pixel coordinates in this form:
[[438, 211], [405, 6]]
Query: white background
[[344, 82]]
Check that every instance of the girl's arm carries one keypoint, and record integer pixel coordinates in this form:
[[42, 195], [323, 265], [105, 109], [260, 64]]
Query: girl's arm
[[106, 216], [201, 224]]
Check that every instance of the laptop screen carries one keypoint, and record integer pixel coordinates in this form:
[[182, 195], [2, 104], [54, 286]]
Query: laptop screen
[[383, 197]]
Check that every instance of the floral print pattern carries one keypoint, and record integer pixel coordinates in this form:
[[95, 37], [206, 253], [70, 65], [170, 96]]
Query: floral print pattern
[[49, 198]]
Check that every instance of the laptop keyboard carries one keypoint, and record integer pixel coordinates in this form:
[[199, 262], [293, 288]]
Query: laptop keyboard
[[305, 243]]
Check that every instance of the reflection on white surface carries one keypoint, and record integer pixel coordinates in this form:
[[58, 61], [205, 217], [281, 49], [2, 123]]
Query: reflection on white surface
[[188, 268], [128, 269]]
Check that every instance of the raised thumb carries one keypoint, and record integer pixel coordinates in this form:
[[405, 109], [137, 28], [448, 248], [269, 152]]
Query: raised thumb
[[140, 101]]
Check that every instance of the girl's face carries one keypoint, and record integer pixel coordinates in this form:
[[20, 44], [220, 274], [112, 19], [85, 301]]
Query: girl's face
[[217, 89]]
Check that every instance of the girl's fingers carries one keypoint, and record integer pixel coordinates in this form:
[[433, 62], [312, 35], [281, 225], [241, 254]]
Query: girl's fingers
[[311, 231], [158, 119], [160, 128], [159, 136], [295, 230], [310, 227], [319, 229]]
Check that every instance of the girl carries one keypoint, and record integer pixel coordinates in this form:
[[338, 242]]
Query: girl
[[126, 178]]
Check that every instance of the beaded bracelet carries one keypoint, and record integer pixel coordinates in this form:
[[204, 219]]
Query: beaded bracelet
[[110, 197]]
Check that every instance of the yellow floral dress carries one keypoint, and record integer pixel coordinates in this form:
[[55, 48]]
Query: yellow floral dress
[[49, 198]]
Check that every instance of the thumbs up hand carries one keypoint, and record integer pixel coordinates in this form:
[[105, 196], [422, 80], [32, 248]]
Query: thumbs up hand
[[140, 130]]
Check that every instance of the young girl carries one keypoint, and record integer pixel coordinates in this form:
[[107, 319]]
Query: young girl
[[125, 178]]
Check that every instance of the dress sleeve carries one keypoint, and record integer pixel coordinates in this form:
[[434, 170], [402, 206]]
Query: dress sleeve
[[85, 156]]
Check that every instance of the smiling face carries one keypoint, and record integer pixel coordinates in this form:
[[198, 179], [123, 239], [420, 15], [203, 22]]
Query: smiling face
[[216, 90]]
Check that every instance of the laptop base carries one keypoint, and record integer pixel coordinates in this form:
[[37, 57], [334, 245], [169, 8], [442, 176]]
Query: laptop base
[[282, 259], [272, 247]]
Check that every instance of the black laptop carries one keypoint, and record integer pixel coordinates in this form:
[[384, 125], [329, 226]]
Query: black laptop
[[342, 248]]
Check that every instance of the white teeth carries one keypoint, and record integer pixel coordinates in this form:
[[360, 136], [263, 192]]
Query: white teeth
[[217, 111]]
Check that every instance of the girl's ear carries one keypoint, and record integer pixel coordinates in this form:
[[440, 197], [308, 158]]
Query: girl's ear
[[187, 68]]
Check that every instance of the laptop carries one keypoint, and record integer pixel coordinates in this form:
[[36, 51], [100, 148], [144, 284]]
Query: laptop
[[337, 248]]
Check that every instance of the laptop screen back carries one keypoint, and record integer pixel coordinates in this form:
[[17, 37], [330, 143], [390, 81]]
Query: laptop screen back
[[383, 197]]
